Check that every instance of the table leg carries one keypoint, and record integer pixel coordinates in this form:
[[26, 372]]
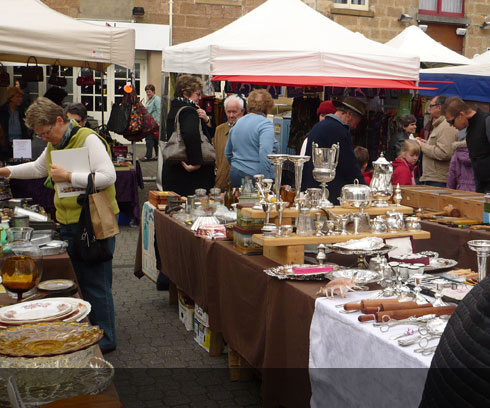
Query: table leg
[[173, 293]]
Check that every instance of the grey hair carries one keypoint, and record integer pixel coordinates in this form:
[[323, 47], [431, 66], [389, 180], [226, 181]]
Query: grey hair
[[235, 98]]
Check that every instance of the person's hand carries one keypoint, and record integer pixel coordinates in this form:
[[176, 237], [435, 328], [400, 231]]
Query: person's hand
[[190, 167], [421, 141], [59, 175], [4, 172], [203, 115]]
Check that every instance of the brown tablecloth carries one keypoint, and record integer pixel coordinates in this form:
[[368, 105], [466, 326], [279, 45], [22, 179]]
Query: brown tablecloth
[[267, 321]]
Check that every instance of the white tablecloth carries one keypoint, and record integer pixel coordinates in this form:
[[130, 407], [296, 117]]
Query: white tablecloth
[[354, 364]]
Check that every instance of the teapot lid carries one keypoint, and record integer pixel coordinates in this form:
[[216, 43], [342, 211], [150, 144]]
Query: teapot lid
[[381, 160]]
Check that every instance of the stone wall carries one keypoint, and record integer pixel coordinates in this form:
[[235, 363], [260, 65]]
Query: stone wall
[[193, 19]]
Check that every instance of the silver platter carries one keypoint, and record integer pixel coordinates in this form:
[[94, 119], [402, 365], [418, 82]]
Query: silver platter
[[358, 276], [368, 252], [439, 264], [286, 272]]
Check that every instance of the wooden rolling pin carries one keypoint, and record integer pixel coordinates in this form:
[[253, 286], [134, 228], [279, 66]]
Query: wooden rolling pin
[[405, 314], [369, 303], [394, 306], [448, 210]]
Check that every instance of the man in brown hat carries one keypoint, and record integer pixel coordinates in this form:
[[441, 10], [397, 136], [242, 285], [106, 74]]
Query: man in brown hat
[[335, 129]]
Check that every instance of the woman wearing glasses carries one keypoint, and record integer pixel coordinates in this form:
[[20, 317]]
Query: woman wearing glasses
[[50, 123], [186, 176]]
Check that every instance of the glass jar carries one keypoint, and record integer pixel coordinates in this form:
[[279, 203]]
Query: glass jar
[[215, 198], [304, 223], [202, 197]]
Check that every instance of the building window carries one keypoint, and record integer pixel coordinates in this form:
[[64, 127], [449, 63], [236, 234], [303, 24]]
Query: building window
[[121, 78], [352, 4], [448, 8]]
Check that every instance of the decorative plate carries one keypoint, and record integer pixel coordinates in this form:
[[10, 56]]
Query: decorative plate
[[359, 276], [81, 309], [47, 339], [440, 263], [41, 386], [287, 272], [56, 284], [363, 244], [35, 310]]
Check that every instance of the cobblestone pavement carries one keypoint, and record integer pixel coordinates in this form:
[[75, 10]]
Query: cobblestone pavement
[[158, 363]]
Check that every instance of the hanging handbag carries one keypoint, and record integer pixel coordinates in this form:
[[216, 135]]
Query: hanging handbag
[[86, 247], [141, 123], [57, 78], [175, 151], [86, 76], [4, 76], [120, 116], [104, 221], [32, 73]]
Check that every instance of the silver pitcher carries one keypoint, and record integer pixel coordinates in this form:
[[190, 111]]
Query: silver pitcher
[[325, 161], [381, 187]]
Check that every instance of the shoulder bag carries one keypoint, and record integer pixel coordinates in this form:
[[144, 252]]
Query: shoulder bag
[[86, 76], [32, 73], [86, 247], [120, 116], [57, 78], [175, 151]]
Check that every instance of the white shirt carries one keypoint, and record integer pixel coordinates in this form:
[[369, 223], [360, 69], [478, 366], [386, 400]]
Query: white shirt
[[99, 159]]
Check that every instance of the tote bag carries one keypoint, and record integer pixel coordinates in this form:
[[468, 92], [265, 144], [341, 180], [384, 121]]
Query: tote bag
[[175, 152]]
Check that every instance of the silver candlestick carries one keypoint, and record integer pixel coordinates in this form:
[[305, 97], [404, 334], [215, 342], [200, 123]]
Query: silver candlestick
[[482, 249], [280, 206], [258, 183], [277, 160], [321, 256], [298, 161], [318, 226]]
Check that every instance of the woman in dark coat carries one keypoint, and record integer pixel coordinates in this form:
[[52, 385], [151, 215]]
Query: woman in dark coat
[[12, 122], [185, 177], [408, 126]]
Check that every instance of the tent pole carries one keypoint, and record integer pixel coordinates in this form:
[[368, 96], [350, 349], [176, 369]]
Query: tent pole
[[163, 127], [102, 97]]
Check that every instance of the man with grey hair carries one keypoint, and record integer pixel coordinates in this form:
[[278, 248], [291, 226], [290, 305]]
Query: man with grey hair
[[234, 110]]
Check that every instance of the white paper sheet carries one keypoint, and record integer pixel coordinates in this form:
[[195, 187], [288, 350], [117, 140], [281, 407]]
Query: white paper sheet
[[72, 160], [22, 149]]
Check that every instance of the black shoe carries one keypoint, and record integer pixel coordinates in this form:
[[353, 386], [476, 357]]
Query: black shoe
[[162, 286], [107, 350]]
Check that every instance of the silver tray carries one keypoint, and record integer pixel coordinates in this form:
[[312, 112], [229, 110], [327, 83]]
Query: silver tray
[[43, 385], [368, 252], [439, 264], [54, 248], [359, 276], [286, 272]]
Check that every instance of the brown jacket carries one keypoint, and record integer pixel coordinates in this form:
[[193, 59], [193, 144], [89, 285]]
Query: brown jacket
[[222, 166], [438, 151]]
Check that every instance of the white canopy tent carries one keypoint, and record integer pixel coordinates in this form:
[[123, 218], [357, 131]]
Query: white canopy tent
[[482, 58], [29, 27], [286, 42], [414, 41]]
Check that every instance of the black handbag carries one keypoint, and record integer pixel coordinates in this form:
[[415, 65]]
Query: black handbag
[[57, 78], [120, 116], [4, 76], [32, 73], [86, 247]]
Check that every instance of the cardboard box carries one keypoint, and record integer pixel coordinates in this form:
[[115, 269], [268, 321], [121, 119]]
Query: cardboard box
[[202, 334], [186, 311], [148, 255], [201, 316]]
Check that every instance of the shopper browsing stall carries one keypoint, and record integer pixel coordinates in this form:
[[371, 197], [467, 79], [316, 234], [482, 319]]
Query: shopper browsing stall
[[50, 123], [335, 129], [251, 140], [405, 165], [234, 110]]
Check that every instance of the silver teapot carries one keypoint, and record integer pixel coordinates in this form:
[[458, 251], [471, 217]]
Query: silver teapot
[[394, 221], [378, 225], [381, 187]]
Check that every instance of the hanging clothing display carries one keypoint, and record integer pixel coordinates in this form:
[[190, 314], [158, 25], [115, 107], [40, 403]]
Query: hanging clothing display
[[303, 117]]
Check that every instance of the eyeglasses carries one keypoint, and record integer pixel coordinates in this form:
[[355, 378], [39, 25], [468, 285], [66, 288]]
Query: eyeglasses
[[451, 122], [41, 135], [434, 104]]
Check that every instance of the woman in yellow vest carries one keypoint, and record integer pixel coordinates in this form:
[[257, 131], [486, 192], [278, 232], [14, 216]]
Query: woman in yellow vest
[[50, 123]]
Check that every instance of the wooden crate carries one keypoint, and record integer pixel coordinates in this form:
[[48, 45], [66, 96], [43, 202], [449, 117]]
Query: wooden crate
[[160, 197], [472, 208], [430, 198]]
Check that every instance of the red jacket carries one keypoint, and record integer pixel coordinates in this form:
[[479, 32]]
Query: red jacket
[[403, 172]]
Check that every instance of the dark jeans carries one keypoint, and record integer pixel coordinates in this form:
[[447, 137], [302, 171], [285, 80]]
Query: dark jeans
[[433, 183], [236, 177], [482, 186], [151, 144], [95, 282]]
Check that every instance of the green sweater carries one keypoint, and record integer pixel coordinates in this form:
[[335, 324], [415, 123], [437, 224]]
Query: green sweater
[[67, 209]]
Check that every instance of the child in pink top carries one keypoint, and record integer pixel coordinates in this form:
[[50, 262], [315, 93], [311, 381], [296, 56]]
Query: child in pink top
[[404, 166]]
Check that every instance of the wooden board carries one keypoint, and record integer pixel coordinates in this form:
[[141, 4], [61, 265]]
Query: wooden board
[[337, 210]]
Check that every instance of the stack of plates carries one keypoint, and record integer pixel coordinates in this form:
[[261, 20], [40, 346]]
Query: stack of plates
[[45, 310]]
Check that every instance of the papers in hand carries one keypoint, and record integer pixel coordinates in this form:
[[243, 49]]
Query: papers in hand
[[72, 160]]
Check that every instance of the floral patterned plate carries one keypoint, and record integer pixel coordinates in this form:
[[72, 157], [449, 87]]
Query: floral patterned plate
[[35, 310]]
